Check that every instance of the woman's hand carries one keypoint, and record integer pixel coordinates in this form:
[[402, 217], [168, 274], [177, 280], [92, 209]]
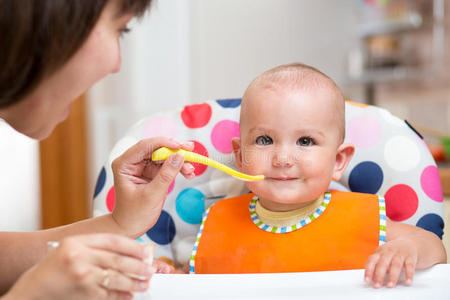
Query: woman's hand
[[141, 185], [95, 266]]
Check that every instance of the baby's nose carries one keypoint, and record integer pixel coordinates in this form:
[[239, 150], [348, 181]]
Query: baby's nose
[[282, 159]]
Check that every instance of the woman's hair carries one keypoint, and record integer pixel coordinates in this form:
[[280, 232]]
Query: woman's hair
[[39, 36]]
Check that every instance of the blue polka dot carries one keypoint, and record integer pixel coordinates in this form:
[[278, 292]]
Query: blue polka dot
[[190, 205], [164, 230], [366, 177], [433, 223], [100, 182], [140, 240], [229, 103]]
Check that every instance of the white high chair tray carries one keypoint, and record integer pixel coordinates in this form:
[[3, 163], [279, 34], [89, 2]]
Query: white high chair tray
[[433, 283]]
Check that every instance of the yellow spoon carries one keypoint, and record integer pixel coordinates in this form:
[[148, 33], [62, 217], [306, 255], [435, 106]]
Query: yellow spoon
[[163, 153]]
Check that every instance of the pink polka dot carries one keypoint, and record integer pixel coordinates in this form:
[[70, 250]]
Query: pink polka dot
[[160, 126], [363, 131], [200, 149], [111, 199], [222, 134], [171, 186], [196, 115], [401, 202], [431, 183]]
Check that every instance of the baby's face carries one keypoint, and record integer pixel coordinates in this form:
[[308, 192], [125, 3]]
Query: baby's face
[[290, 137]]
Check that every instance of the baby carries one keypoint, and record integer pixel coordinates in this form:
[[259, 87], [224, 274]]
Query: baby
[[292, 129]]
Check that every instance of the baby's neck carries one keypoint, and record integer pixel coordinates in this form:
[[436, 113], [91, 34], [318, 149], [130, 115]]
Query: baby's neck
[[285, 207], [286, 217]]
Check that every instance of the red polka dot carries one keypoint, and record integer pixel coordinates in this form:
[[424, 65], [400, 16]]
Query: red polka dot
[[196, 115], [401, 202], [200, 149], [111, 199]]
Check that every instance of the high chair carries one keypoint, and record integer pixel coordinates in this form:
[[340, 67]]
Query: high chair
[[391, 159]]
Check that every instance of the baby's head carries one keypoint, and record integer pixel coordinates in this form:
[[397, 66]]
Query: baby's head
[[292, 128]]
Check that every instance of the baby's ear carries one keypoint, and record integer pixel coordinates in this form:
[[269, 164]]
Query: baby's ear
[[236, 143], [343, 156]]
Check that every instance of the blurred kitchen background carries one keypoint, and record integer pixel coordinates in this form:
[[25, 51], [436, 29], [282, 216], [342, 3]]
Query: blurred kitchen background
[[391, 53]]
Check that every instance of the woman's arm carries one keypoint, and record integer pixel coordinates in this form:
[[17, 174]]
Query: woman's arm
[[19, 251], [141, 188]]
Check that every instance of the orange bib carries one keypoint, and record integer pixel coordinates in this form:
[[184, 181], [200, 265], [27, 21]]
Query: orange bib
[[339, 236]]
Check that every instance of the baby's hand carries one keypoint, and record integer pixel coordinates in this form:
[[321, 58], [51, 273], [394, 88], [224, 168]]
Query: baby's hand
[[167, 266], [389, 259], [162, 266]]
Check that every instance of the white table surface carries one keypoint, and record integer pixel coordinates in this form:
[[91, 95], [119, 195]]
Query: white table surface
[[430, 284]]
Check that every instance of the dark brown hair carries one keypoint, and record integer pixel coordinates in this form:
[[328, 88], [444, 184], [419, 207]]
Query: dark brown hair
[[39, 36]]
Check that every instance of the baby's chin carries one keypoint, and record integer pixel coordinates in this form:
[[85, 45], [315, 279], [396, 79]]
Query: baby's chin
[[286, 198]]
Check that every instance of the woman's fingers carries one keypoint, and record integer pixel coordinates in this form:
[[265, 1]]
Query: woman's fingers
[[119, 262], [110, 242], [132, 267], [189, 146], [112, 252], [188, 171], [116, 281], [152, 169], [157, 188], [143, 150]]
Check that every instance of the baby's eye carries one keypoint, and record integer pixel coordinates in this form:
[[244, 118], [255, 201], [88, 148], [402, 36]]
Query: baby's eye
[[263, 140], [305, 141]]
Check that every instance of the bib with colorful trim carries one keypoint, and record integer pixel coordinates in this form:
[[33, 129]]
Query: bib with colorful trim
[[339, 235]]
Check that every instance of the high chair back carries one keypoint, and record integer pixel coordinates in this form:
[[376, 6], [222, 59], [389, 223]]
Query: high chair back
[[391, 159]]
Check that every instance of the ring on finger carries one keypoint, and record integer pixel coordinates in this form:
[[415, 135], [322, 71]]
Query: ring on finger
[[52, 245], [106, 279]]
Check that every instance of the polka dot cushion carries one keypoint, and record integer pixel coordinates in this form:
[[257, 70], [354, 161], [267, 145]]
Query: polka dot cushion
[[391, 159]]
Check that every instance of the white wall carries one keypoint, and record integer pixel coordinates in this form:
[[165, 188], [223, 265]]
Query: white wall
[[194, 50], [19, 181], [233, 41], [154, 76]]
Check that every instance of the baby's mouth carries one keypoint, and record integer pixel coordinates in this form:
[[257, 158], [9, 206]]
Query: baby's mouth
[[283, 178]]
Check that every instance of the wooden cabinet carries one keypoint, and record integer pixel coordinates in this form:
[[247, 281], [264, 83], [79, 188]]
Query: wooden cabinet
[[63, 162]]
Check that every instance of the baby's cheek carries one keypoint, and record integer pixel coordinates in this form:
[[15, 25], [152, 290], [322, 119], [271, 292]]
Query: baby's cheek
[[255, 186], [249, 162], [307, 163], [254, 159]]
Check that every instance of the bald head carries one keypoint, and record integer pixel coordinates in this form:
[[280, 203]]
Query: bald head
[[299, 77]]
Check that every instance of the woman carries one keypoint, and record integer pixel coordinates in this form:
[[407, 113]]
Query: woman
[[52, 51]]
